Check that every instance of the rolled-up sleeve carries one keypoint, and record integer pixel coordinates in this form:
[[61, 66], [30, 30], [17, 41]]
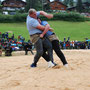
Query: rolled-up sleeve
[[38, 13]]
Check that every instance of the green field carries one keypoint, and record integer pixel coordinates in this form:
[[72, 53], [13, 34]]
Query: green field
[[75, 30]]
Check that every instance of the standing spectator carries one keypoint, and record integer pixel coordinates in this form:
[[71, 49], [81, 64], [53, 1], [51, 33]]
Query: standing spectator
[[28, 47], [8, 50]]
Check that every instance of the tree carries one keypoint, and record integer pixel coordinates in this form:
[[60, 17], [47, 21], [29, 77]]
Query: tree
[[79, 6], [0, 2], [66, 2], [60, 0], [29, 4], [36, 4], [71, 3], [0, 7], [46, 5], [86, 1]]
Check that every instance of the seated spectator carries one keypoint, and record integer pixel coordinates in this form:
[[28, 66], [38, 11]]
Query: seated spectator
[[3, 35], [6, 35], [82, 45], [20, 38], [64, 45], [12, 37], [89, 46], [0, 35], [67, 45], [0, 51]]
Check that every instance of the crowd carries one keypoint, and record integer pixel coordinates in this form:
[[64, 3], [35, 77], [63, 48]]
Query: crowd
[[10, 44], [67, 44]]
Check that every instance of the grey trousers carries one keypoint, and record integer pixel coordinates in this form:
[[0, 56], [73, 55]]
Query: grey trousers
[[40, 45]]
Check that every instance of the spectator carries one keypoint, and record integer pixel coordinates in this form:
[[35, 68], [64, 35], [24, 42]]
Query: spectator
[[3, 35], [0, 35], [12, 37], [8, 50], [64, 45], [0, 50], [28, 47], [6, 35]]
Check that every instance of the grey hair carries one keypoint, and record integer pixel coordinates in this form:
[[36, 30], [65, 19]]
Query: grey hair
[[31, 11]]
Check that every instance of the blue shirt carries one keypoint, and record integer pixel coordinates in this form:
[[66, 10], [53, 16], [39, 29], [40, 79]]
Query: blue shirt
[[49, 33], [32, 24]]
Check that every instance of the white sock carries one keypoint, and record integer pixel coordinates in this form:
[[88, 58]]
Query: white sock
[[66, 65]]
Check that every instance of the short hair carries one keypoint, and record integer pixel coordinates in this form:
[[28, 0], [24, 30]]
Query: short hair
[[31, 11]]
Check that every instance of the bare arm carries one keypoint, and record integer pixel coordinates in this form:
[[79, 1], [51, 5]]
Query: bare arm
[[40, 27], [47, 27], [49, 16], [44, 29]]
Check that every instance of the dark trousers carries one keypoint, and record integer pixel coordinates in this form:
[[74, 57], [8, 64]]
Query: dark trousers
[[39, 45], [56, 48]]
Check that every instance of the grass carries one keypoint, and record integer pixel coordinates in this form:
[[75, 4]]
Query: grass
[[16, 28], [75, 30]]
